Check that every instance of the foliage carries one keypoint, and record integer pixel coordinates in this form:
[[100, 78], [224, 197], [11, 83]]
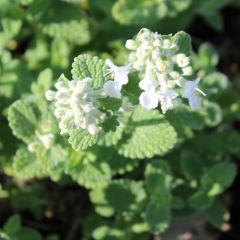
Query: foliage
[[138, 168]]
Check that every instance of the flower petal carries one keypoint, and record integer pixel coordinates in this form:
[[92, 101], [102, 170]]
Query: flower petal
[[148, 100], [112, 89]]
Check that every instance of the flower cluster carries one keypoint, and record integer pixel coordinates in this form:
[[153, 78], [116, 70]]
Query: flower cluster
[[162, 70], [76, 105]]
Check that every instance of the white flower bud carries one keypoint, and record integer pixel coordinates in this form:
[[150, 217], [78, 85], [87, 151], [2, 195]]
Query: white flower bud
[[182, 60], [130, 44], [50, 95]]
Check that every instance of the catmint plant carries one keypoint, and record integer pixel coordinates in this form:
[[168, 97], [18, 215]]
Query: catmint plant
[[134, 135]]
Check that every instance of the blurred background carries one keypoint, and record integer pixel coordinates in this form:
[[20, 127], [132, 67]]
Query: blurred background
[[40, 38]]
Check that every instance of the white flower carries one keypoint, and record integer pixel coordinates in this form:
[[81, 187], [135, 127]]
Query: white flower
[[182, 60], [149, 99], [120, 73], [189, 92], [112, 89], [166, 96], [76, 105], [148, 82]]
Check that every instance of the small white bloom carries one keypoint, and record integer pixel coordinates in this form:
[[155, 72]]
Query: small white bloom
[[149, 99], [112, 89], [130, 44], [166, 97], [182, 60], [120, 73], [187, 71], [50, 95], [189, 92], [148, 82]]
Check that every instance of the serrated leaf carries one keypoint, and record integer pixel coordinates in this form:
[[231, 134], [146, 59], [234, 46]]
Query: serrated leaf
[[121, 196], [212, 114], [65, 21], [149, 135], [87, 66], [142, 12], [81, 139], [88, 171], [183, 41], [157, 216], [22, 120], [110, 138], [215, 83], [186, 116], [26, 166]]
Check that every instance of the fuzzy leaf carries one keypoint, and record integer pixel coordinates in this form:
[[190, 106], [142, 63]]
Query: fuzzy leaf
[[26, 166], [22, 120], [183, 41], [81, 139], [65, 21], [87, 66], [149, 135], [88, 171], [142, 12], [212, 114], [122, 196]]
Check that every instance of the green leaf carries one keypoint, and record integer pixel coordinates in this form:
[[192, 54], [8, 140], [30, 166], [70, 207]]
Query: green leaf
[[138, 12], [191, 165], [26, 166], [185, 116], [148, 134], [214, 181], [183, 41], [216, 213], [218, 178], [12, 226], [215, 83], [65, 21], [207, 56], [110, 138], [22, 120], [212, 114], [81, 139], [87, 66], [158, 216], [158, 183], [88, 171], [44, 82], [121, 196], [141, 12], [28, 234]]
